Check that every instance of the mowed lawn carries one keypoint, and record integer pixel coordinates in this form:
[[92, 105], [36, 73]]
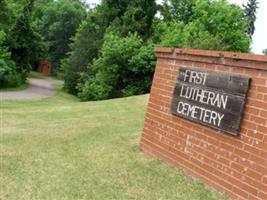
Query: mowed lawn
[[60, 148]]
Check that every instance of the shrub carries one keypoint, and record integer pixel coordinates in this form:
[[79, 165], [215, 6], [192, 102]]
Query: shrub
[[215, 25], [9, 77], [124, 68], [84, 48]]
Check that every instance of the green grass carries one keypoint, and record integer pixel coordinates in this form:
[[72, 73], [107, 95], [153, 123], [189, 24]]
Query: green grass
[[34, 74], [60, 148]]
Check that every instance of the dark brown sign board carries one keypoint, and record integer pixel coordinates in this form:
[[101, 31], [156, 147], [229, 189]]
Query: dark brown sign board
[[210, 98]]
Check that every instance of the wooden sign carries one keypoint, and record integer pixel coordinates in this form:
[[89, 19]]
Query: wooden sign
[[210, 98]]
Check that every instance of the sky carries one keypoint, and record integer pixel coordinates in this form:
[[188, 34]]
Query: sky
[[259, 39]]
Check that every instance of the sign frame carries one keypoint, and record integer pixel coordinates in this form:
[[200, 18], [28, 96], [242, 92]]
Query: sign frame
[[213, 99]]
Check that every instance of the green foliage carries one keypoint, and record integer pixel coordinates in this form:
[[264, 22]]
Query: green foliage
[[124, 68], [26, 45], [5, 15], [215, 25], [176, 34], [177, 10], [57, 24], [250, 11], [122, 16], [84, 48], [9, 77], [131, 16], [264, 51], [4, 54]]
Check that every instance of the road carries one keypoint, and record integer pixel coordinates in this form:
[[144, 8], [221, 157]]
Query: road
[[38, 89]]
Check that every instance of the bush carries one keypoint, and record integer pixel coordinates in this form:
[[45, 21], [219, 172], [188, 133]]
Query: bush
[[9, 77], [84, 48], [215, 25], [124, 68]]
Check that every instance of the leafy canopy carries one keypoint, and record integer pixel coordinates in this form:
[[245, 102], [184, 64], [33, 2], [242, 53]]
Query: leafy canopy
[[57, 24], [26, 45], [215, 25], [124, 68]]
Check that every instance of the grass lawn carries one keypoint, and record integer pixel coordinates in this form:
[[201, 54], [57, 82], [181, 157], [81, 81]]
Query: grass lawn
[[60, 148], [34, 74]]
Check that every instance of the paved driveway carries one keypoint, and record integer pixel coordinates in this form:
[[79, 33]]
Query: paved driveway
[[38, 89]]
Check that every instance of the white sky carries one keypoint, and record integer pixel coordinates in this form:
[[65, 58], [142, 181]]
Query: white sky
[[259, 37]]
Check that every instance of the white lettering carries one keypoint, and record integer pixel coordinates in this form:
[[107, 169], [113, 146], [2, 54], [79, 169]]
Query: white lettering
[[195, 77], [224, 100], [200, 113], [220, 118], [204, 96]]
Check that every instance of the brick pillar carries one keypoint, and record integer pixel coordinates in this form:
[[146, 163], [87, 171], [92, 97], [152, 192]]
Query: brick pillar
[[236, 166]]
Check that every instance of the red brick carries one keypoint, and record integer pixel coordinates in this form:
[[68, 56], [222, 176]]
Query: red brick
[[262, 195], [258, 120], [253, 150], [234, 165], [257, 103], [252, 110], [262, 129], [263, 113], [261, 170], [240, 192], [249, 125], [262, 89], [255, 134], [253, 174], [259, 81], [258, 160], [252, 197]]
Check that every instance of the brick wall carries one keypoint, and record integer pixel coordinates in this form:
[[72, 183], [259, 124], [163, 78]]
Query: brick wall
[[236, 166]]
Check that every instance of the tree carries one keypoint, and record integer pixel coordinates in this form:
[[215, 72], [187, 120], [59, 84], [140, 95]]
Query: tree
[[132, 16], [25, 43], [215, 25], [84, 48], [124, 68], [8, 72], [58, 23], [250, 11], [120, 16], [5, 16], [177, 10], [4, 53], [264, 51]]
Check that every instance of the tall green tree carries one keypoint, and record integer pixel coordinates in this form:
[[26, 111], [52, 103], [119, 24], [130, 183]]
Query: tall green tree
[[5, 16], [177, 10], [9, 77], [215, 25], [58, 23], [264, 51], [121, 16], [132, 16], [25, 43], [250, 11], [125, 67], [85, 48]]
